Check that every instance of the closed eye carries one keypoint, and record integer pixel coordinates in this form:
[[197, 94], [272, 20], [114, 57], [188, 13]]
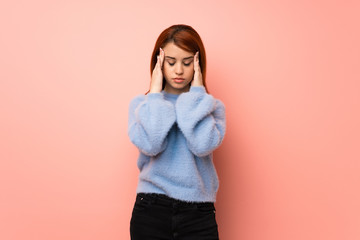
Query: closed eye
[[187, 63], [173, 63]]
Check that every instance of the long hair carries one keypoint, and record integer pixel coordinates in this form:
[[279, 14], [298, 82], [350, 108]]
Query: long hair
[[186, 38]]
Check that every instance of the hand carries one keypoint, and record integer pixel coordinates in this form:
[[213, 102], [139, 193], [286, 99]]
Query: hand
[[157, 75], [197, 81]]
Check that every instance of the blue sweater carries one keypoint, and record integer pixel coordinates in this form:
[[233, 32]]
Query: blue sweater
[[176, 135]]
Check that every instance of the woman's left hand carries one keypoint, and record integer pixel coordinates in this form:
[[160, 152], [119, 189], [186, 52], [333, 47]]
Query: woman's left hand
[[197, 81]]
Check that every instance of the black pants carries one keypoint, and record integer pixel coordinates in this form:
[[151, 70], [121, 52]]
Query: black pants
[[158, 217]]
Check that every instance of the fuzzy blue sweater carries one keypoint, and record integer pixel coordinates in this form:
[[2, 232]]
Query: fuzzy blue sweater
[[176, 135]]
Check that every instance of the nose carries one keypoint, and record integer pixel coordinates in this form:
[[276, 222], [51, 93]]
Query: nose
[[179, 69]]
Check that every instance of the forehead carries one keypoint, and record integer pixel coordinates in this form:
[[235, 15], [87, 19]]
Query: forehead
[[174, 51]]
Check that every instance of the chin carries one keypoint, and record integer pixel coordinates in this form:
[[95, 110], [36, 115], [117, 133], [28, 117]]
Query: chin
[[180, 86]]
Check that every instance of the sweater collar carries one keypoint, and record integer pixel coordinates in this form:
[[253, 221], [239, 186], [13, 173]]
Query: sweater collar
[[170, 95]]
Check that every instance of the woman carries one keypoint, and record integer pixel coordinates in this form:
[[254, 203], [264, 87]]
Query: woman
[[176, 126]]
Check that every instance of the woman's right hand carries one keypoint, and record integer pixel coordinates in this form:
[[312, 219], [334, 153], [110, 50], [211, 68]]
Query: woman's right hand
[[157, 74]]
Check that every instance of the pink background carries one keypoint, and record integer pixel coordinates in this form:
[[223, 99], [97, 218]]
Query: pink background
[[287, 71]]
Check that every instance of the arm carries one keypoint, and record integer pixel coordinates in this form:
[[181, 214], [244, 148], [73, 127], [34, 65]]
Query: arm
[[150, 119], [201, 119]]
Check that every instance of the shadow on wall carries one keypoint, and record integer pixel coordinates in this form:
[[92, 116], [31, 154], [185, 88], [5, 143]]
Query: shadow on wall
[[230, 166]]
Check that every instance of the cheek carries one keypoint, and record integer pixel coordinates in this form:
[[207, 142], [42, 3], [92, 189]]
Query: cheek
[[190, 71], [166, 72]]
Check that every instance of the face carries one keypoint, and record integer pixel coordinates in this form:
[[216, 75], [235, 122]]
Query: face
[[178, 69]]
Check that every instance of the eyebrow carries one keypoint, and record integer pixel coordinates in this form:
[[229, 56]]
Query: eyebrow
[[175, 58]]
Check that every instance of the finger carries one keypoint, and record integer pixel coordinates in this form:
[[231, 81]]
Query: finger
[[196, 61], [162, 56], [159, 56], [157, 61], [159, 64]]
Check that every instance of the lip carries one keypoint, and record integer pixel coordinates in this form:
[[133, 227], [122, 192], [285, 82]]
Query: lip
[[178, 80]]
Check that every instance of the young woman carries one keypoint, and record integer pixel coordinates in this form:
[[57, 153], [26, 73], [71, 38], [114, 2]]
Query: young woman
[[176, 126]]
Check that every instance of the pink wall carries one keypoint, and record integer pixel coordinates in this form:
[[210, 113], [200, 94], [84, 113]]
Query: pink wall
[[287, 71]]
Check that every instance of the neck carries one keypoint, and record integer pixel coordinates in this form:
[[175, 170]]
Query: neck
[[172, 90]]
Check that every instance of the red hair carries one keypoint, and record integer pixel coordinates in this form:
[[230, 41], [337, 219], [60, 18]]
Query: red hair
[[186, 38]]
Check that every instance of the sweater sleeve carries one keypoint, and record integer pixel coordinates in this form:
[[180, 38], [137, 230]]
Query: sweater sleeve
[[201, 119], [150, 119]]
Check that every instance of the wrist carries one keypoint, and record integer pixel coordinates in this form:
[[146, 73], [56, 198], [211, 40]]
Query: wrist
[[199, 89], [154, 91], [197, 84]]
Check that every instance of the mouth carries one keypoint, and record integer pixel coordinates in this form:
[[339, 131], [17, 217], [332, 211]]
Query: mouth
[[178, 80]]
